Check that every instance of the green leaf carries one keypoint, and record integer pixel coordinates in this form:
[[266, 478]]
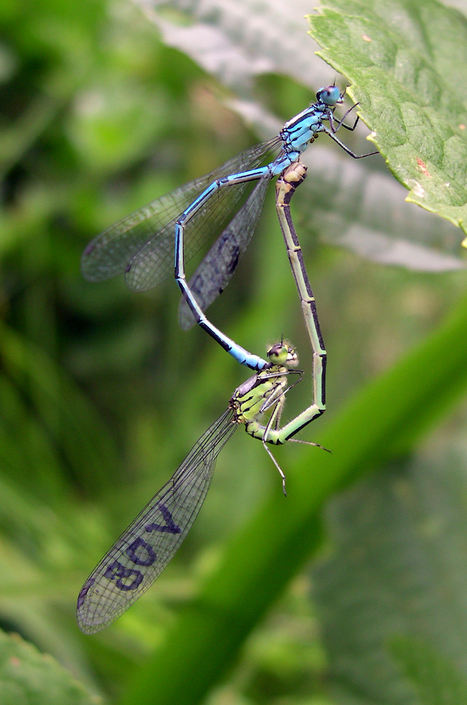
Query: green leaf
[[397, 577], [407, 62], [28, 677]]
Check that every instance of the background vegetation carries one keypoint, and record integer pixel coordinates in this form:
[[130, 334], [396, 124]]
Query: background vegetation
[[106, 105]]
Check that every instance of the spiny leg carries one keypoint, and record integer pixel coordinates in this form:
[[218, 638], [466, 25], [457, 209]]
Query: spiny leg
[[274, 423], [340, 123], [344, 146], [335, 126]]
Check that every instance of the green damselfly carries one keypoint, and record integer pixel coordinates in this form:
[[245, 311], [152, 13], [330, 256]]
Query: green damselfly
[[145, 548]]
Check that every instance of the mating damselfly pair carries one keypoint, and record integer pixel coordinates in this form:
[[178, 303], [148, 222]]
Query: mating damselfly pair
[[145, 245]]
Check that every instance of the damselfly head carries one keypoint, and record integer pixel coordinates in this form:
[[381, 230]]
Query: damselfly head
[[283, 353], [330, 95]]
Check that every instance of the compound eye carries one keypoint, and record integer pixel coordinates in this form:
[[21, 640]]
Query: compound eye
[[278, 353], [283, 353], [329, 95]]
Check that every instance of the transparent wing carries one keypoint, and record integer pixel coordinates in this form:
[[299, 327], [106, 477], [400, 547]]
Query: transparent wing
[[142, 243], [142, 552], [218, 267]]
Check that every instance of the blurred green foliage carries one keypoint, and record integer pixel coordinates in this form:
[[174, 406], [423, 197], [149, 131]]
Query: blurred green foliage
[[101, 394]]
